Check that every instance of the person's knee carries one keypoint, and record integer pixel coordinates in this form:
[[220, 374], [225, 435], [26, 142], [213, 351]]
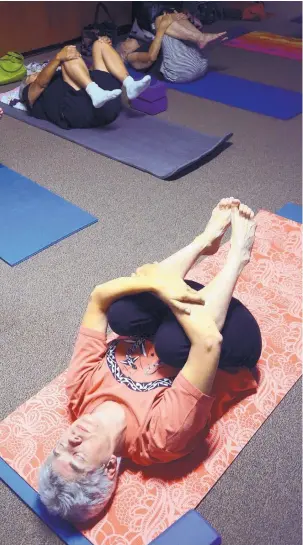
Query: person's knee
[[118, 318], [73, 63], [172, 349], [127, 317], [99, 46]]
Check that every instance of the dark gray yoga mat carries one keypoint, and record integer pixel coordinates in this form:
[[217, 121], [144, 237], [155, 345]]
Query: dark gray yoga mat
[[147, 143]]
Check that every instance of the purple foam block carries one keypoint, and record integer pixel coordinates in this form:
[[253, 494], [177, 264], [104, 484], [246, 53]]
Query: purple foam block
[[151, 108], [154, 92]]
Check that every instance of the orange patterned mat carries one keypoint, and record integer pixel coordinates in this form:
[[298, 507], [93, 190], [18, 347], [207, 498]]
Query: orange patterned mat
[[148, 501], [272, 44]]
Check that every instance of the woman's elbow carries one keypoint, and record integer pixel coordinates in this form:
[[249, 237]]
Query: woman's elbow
[[42, 84]]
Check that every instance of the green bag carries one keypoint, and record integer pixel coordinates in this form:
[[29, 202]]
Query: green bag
[[12, 68]]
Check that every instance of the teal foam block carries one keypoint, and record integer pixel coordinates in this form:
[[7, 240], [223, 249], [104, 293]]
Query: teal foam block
[[291, 211], [33, 218]]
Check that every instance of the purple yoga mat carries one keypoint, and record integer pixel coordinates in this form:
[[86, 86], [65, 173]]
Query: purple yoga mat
[[147, 143]]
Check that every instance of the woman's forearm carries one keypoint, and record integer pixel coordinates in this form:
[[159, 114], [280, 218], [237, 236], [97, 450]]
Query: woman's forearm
[[107, 293], [156, 45], [142, 60], [46, 75]]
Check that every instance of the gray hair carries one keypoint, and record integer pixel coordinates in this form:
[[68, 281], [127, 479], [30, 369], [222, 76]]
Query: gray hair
[[75, 500]]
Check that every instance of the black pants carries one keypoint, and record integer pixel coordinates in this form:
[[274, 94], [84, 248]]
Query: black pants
[[147, 316], [71, 109]]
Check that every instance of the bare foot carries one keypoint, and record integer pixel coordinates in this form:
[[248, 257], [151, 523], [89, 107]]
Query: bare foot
[[211, 39], [218, 224], [243, 234]]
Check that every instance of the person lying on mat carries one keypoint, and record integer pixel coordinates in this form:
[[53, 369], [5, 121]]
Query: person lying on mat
[[176, 51], [75, 97], [147, 395]]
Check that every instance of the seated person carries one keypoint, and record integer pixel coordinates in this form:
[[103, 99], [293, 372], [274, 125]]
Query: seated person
[[176, 51], [147, 396], [75, 97]]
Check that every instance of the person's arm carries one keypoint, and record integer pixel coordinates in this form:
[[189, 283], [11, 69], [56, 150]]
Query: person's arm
[[105, 294], [172, 291], [202, 363], [46, 75], [141, 61]]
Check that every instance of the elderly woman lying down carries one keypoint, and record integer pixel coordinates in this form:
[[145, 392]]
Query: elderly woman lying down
[[147, 395]]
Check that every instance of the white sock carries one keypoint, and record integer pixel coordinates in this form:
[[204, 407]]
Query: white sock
[[135, 88], [100, 96]]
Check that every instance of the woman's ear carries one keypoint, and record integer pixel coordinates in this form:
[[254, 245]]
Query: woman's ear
[[111, 468]]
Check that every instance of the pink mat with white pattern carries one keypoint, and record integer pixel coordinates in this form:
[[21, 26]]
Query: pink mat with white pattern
[[149, 500]]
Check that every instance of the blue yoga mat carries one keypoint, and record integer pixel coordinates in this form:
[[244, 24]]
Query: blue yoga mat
[[245, 94], [291, 211], [33, 218]]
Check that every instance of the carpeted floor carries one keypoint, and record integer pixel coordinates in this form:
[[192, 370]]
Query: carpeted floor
[[143, 219]]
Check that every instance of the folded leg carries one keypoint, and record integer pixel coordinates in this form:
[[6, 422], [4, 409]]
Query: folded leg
[[241, 345]]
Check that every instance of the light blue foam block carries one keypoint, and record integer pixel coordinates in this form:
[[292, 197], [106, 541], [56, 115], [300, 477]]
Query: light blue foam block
[[291, 211], [33, 218], [68, 533]]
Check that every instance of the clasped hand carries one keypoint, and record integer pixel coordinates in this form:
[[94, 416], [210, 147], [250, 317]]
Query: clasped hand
[[68, 53], [170, 287]]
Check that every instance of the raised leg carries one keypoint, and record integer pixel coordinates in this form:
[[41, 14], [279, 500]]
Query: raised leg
[[217, 294], [241, 335], [241, 345], [145, 315], [205, 244], [76, 74], [185, 30], [142, 314], [105, 56]]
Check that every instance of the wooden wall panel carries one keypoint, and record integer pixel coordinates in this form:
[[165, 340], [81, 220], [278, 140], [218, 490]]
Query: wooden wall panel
[[25, 26]]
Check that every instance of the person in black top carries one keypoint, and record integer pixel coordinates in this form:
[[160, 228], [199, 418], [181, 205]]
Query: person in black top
[[75, 97]]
